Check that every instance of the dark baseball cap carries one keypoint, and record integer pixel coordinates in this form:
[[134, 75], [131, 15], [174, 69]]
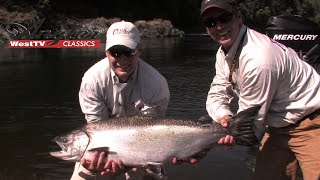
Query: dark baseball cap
[[226, 5]]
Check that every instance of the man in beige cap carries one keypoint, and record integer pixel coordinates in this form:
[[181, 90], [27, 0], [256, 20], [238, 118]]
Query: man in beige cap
[[262, 72], [119, 85]]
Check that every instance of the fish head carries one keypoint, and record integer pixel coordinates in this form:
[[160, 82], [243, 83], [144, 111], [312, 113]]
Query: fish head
[[72, 145]]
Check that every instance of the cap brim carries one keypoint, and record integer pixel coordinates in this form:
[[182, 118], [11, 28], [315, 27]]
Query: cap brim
[[124, 42], [223, 6]]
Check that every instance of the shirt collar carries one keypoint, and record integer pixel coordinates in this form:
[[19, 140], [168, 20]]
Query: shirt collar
[[231, 53]]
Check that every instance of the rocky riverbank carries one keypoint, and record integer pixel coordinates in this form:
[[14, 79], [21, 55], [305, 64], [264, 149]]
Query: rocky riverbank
[[16, 24]]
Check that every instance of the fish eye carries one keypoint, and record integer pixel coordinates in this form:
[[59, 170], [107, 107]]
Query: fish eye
[[65, 140]]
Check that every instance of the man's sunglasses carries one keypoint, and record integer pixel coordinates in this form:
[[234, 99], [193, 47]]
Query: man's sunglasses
[[211, 21], [117, 51]]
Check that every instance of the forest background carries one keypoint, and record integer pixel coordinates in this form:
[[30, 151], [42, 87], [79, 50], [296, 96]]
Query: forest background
[[173, 17]]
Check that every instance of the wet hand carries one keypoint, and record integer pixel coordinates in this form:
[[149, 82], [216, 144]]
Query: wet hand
[[99, 162], [190, 160], [193, 159], [227, 140]]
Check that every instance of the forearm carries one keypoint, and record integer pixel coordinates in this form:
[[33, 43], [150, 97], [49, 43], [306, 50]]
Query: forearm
[[218, 101], [92, 105], [93, 110]]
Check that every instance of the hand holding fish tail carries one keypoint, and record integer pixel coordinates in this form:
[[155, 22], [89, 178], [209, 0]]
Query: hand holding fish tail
[[228, 139], [242, 129]]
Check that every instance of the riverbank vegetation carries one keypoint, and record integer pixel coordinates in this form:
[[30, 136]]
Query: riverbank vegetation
[[165, 18]]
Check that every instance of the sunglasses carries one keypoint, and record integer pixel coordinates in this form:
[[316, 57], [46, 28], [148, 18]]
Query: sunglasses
[[118, 51], [212, 21]]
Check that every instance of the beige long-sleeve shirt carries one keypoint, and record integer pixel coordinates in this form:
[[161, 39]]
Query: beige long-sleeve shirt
[[102, 96], [268, 74]]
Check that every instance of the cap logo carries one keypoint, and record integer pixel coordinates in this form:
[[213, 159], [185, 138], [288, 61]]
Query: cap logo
[[120, 31]]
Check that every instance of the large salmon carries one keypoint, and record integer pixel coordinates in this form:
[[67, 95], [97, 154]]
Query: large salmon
[[141, 140]]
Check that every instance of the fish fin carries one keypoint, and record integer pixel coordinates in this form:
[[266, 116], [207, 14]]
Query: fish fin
[[112, 152], [241, 126], [206, 119], [157, 169], [86, 176], [102, 149], [154, 111], [99, 149]]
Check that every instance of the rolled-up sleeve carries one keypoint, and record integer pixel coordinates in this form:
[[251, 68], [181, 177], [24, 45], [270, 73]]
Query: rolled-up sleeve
[[219, 95]]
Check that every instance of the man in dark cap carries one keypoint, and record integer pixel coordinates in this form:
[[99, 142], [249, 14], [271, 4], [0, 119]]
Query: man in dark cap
[[263, 72]]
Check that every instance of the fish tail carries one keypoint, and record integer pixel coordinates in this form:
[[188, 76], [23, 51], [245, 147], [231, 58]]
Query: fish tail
[[241, 127]]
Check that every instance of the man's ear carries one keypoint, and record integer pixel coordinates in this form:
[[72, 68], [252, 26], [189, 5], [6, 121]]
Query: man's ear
[[238, 14], [140, 52], [139, 46]]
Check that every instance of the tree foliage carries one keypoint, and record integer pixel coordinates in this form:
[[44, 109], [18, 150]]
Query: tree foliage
[[182, 13]]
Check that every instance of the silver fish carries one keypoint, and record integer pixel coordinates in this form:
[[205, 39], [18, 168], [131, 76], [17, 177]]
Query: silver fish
[[141, 140]]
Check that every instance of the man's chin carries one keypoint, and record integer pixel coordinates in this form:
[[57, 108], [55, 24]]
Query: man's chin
[[226, 43], [122, 73]]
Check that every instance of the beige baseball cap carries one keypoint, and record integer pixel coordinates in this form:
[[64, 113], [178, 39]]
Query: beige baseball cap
[[123, 33]]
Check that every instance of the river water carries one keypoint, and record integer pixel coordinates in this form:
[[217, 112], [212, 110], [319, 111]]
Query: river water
[[39, 100]]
